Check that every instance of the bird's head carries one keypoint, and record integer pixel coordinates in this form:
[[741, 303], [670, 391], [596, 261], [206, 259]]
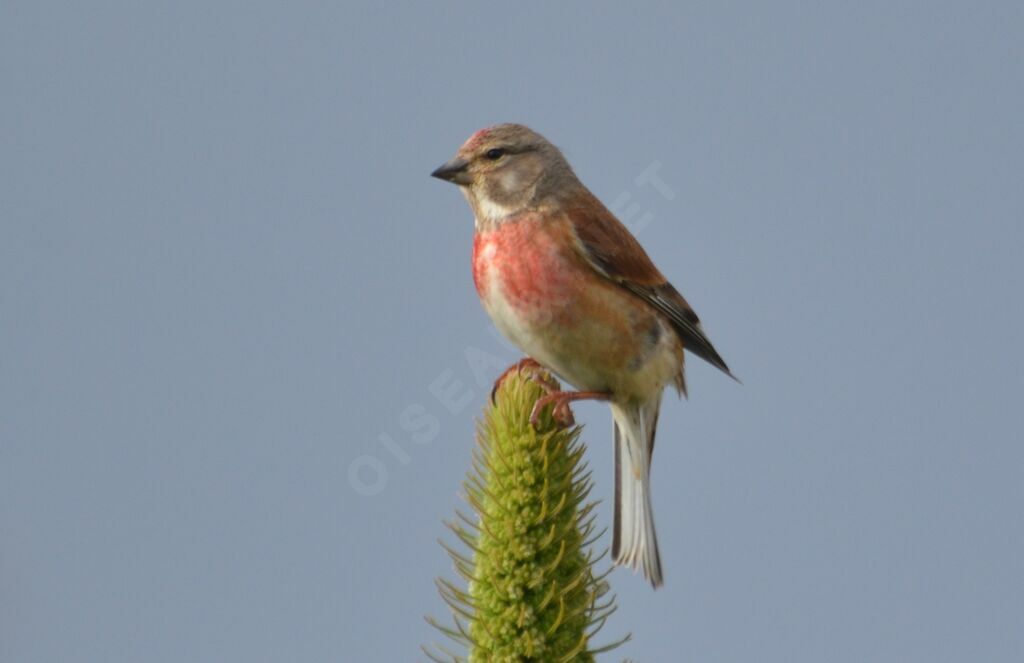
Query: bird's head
[[506, 169]]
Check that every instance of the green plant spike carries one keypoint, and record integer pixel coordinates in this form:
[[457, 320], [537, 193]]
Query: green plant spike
[[532, 594]]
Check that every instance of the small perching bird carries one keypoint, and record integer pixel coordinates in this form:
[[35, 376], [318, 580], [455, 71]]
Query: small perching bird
[[569, 285]]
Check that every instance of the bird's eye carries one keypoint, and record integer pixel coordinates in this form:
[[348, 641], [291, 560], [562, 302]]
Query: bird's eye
[[494, 154]]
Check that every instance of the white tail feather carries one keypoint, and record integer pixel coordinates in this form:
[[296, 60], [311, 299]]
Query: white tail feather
[[634, 543]]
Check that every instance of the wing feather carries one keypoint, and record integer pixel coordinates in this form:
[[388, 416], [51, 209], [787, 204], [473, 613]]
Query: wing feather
[[614, 253]]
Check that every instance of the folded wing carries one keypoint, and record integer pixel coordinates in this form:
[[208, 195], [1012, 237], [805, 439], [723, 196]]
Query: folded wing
[[614, 253]]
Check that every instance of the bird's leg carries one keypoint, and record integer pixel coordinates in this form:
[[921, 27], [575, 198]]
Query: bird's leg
[[533, 369], [561, 412]]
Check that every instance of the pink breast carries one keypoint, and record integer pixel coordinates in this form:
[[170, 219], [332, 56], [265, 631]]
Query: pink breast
[[528, 262]]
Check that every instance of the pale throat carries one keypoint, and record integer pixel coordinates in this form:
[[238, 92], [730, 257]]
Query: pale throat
[[502, 195], [490, 212]]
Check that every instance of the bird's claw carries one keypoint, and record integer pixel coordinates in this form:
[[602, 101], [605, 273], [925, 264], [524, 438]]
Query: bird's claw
[[561, 413], [534, 371]]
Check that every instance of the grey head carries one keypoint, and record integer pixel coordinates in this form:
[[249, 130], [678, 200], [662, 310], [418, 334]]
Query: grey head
[[509, 168]]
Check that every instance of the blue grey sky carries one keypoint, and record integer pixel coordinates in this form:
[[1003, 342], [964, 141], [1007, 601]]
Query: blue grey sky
[[241, 353]]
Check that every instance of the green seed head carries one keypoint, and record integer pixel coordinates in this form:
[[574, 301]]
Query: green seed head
[[532, 592]]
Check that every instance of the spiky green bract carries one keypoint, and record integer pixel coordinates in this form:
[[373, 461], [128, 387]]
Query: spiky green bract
[[532, 592]]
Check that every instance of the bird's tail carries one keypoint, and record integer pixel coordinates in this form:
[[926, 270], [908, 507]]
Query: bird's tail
[[634, 543]]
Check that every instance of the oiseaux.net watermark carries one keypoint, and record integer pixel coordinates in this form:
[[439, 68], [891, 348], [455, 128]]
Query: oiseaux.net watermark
[[452, 391]]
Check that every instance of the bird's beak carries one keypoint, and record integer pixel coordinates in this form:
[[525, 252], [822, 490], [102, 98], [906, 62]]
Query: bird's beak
[[454, 171]]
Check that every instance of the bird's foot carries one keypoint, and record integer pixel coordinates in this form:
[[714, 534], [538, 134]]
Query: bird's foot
[[561, 412], [533, 370]]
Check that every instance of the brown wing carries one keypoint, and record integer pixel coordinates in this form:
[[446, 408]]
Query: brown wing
[[613, 251]]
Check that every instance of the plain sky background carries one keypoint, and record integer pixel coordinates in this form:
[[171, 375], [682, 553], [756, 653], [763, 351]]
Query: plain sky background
[[228, 282]]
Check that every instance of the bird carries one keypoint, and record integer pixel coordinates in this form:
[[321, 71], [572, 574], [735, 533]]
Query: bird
[[564, 280]]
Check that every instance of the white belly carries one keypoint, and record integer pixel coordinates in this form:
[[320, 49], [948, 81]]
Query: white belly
[[582, 351]]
